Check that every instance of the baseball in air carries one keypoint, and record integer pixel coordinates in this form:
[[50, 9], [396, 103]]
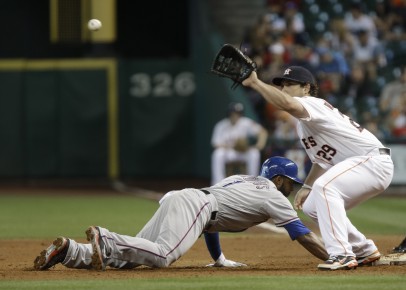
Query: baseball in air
[[94, 24]]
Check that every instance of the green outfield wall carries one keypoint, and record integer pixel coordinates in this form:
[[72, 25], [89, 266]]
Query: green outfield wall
[[106, 118]]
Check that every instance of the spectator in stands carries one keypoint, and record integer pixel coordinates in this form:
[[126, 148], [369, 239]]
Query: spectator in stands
[[356, 20], [274, 15], [368, 52], [391, 93], [340, 38], [383, 19], [397, 20], [396, 119], [331, 71], [302, 55], [278, 57], [295, 25], [257, 41], [331, 58], [355, 89], [236, 138], [285, 19]]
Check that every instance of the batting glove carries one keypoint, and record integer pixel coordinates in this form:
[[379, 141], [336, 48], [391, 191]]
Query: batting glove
[[223, 262]]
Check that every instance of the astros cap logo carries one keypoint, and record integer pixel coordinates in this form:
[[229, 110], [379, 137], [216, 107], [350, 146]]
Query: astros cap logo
[[287, 71]]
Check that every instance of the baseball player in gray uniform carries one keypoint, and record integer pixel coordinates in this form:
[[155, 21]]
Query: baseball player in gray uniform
[[350, 165], [232, 205]]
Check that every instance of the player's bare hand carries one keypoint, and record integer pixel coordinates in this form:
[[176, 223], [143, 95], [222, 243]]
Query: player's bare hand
[[300, 198], [250, 80]]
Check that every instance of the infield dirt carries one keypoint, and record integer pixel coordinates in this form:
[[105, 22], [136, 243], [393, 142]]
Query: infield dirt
[[264, 253]]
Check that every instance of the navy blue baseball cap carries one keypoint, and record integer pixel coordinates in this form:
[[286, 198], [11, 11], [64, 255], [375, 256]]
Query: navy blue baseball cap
[[296, 74]]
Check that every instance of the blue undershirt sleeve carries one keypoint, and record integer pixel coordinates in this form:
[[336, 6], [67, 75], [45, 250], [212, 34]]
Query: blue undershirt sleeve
[[213, 244], [296, 229]]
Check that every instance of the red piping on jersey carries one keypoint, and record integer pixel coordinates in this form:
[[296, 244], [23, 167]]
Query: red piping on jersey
[[201, 209], [286, 222], [155, 254], [325, 198], [132, 247]]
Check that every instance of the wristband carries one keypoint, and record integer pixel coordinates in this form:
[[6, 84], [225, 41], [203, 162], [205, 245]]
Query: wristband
[[306, 186]]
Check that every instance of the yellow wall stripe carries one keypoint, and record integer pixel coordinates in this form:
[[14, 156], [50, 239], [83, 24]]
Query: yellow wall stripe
[[53, 18]]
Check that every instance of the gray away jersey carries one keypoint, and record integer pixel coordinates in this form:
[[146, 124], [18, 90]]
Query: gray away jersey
[[245, 201]]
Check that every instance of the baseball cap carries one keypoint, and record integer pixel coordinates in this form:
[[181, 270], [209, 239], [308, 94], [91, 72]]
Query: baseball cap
[[235, 107], [297, 74]]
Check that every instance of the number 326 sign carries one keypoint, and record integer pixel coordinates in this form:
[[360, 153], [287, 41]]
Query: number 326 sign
[[162, 84]]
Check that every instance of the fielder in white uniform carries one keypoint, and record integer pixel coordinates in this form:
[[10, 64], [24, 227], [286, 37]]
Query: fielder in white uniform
[[232, 205], [350, 165], [226, 133]]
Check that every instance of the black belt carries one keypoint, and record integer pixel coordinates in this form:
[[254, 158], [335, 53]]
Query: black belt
[[384, 151], [213, 213], [206, 192]]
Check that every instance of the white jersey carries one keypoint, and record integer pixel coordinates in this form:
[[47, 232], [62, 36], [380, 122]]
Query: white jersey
[[329, 137], [244, 201], [225, 133]]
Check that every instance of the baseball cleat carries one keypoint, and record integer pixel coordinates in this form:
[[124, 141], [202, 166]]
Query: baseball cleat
[[93, 236], [53, 255], [401, 248], [339, 263], [368, 260]]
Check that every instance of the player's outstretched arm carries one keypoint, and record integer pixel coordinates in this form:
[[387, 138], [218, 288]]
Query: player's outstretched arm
[[276, 97], [309, 240], [314, 245], [213, 245]]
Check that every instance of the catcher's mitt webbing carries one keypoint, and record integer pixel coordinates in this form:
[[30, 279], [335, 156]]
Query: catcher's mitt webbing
[[232, 63]]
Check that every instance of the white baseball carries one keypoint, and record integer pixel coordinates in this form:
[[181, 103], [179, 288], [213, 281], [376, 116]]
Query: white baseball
[[94, 24]]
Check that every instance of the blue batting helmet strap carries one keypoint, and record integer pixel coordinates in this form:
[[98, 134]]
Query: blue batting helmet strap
[[277, 165]]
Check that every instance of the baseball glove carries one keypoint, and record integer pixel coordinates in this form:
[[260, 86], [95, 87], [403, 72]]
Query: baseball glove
[[241, 145], [232, 63]]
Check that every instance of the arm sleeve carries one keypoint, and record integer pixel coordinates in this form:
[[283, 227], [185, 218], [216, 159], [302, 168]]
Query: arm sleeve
[[213, 244], [296, 229]]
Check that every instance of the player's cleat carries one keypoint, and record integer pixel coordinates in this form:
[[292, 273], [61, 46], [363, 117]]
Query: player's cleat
[[93, 236], [53, 255], [401, 248], [368, 260], [339, 263]]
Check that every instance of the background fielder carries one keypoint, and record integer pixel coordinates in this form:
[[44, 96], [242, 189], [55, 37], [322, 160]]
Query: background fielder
[[231, 142]]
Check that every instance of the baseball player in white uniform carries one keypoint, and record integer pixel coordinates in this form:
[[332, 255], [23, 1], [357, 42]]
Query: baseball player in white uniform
[[232, 205], [227, 133], [350, 165]]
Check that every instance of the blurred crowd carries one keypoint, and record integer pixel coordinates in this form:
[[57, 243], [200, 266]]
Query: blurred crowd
[[353, 49]]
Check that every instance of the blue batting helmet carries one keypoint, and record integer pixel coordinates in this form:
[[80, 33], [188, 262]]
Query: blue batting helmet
[[277, 165]]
